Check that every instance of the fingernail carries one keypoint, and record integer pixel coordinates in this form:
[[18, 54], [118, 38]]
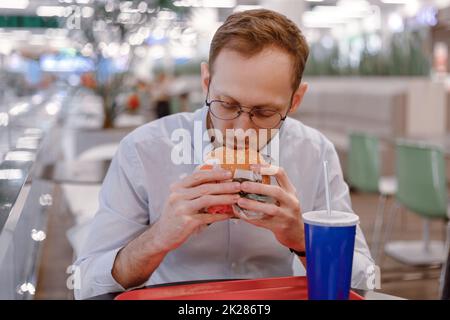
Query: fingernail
[[270, 170], [236, 185]]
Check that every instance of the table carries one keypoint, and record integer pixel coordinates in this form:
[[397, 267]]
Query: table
[[76, 172], [368, 295]]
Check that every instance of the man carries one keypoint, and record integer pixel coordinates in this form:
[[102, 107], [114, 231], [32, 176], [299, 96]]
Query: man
[[151, 227]]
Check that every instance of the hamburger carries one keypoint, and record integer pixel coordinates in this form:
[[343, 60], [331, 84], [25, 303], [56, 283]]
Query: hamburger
[[238, 161]]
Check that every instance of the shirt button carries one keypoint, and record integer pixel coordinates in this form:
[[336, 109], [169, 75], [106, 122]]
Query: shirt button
[[233, 265]]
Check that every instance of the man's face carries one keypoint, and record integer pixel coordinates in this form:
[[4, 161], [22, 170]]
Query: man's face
[[263, 81]]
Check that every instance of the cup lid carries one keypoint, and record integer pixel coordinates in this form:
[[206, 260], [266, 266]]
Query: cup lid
[[336, 219]]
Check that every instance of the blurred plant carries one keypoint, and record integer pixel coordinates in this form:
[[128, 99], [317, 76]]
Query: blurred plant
[[405, 55], [119, 23]]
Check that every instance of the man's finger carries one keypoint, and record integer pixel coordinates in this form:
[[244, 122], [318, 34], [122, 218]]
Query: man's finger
[[203, 176], [284, 182], [211, 188], [212, 200], [278, 172], [263, 222], [275, 192], [265, 208]]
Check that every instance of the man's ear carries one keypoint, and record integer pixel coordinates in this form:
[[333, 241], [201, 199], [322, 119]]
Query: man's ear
[[298, 96], [205, 77]]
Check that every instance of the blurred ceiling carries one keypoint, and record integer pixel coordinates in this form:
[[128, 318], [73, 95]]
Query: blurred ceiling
[[29, 7], [297, 10]]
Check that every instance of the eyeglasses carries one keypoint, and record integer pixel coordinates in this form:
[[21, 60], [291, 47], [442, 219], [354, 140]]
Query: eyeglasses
[[264, 118]]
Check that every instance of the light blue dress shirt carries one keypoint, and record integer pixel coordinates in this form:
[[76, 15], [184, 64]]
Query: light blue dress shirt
[[136, 187]]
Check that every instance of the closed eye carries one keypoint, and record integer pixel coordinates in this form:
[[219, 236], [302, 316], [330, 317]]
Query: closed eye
[[264, 112], [228, 105]]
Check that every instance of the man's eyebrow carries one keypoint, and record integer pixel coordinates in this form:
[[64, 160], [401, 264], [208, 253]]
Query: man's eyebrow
[[259, 106], [225, 96], [270, 106]]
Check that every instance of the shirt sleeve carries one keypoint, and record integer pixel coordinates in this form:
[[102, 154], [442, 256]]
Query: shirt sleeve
[[121, 217], [363, 264]]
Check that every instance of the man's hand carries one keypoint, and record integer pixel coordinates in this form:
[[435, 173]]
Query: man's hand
[[182, 212], [283, 217], [180, 218]]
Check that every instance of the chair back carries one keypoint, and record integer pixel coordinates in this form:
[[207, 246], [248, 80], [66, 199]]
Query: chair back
[[422, 182], [363, 166]]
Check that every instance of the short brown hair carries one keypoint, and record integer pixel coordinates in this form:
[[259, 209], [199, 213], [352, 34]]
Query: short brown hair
[[249, 32]]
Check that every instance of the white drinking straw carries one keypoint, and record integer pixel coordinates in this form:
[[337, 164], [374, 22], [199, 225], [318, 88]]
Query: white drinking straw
[[327, 188]]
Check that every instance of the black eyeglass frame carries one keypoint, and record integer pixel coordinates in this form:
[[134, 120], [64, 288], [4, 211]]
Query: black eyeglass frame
[[241, 111]]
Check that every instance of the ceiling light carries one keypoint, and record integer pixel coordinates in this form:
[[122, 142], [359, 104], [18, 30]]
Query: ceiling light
[[395, 1], [245, 7], [50, 11], [14, 4]]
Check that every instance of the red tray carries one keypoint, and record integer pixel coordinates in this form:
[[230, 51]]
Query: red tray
[[285, 288]]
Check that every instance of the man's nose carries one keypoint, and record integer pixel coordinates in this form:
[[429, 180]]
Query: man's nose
[[244, 121]]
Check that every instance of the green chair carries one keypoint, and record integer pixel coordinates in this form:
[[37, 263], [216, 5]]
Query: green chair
[[363, 162], [363, 174], [422, 189]]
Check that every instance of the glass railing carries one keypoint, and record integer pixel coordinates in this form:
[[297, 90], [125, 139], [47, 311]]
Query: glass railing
[[28, 140]]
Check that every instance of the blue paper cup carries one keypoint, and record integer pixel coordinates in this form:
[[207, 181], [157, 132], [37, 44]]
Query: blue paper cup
[[329, 241]]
